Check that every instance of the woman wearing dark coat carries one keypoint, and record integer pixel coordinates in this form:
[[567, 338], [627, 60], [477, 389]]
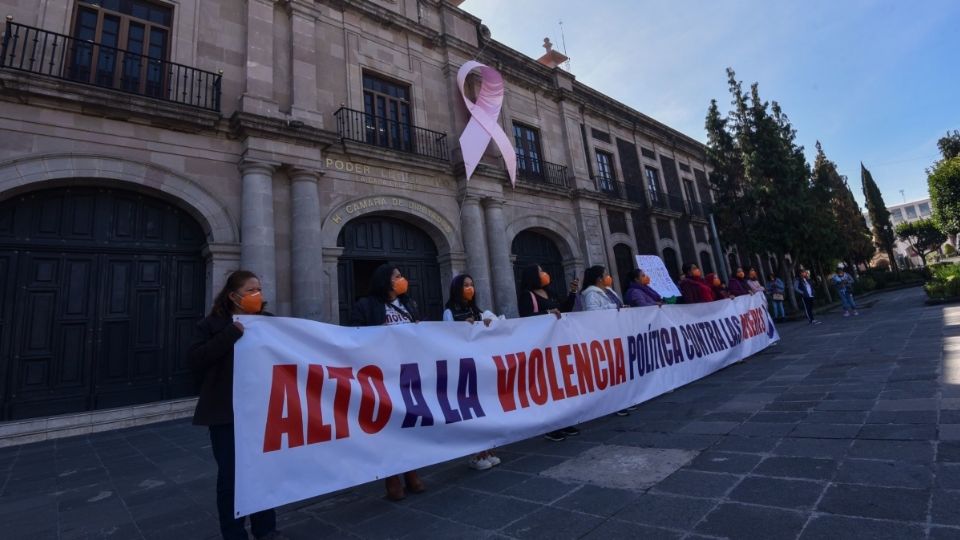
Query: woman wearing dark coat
[[388, 304], [738, 285], [693, 287], [639, 291], [211, 358]]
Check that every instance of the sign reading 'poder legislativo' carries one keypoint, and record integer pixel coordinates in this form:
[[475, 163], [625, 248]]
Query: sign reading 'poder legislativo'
[[319, 407]]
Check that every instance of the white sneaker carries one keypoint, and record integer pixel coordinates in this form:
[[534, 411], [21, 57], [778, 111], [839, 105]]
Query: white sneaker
[[846, 313], [479, 463], [493, 460]]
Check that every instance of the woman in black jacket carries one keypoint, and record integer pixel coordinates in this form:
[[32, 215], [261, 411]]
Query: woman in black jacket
[[211, 359], [388, 304]]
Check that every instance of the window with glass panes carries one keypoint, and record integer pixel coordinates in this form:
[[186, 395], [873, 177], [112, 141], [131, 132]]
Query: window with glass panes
[[386, 105], [653, 184], [911, 212], [924, 209], [527, 142], [605, 174], [121, 44]]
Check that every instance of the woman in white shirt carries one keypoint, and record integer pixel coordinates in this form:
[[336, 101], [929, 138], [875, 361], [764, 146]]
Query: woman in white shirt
[[596, 293]]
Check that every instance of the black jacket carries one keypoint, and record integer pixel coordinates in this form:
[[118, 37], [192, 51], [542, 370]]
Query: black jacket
[[369, 311], [525, 304], [211, 358]]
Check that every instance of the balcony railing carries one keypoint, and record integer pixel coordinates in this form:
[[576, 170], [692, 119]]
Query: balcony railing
[[620, 190], [41, 52], [379, 131], [537, 171], [667, 202], [699, 210]]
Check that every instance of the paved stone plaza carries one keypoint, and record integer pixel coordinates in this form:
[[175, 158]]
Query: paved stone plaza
[[850, 429]]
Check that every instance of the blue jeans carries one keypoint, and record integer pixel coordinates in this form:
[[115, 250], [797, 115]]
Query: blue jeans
[[261, 523], [778, 312], [846, 298]]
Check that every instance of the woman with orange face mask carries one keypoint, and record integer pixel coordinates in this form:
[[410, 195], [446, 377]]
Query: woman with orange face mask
[[720, 292], [639, 292], [738, 285], [693, 287], [388, 304], [595, 295], [211, 358]]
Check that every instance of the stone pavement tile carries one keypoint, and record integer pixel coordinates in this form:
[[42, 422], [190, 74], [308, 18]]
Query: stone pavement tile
[[725, 462], [748, 445], [948, 452], [852, 394], [29, 524], [944, 533], [596, 500], [790, 406], [795, 494], [167, 527], [623, 467], [846, 405], [899, 432], [708, 428], [126, 530], [552, 523], [835, 417], [349, 508], [740, 406], [801, 396], [495, 480], [530, 464], [780, 417], [614, 528], [447, 529], [900, 504], [924, 404], [698, 484], [948, 416], [821, 448], [393, 524], [921, 451], [540, 489], [949, 432], [494, 512], [946, 508], [737, 521], [826, 431], [729, 416], [902, 417], [667, 511], [885, 473], [659, 426], [829, 527], [950, 403], [311, 528], [663, 440], [797, 467], [948, 476], [763, 429], [568, 448]]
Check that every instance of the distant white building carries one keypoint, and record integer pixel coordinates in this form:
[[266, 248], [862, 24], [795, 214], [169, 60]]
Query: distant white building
[[905, 213]]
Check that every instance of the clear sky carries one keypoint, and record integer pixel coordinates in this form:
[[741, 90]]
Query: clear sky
[[876, 81]]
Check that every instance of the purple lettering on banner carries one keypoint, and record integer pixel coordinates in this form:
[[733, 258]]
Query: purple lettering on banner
[[450, 414], [467, 395], [413, 399]]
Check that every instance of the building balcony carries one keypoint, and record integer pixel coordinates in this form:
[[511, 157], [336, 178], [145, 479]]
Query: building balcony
[[620, 190], [56, 56], [361, 127], [699, 210], [664, 202], [539, 172]]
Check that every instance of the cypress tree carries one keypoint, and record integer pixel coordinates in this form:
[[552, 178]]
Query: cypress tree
[[883, 235]]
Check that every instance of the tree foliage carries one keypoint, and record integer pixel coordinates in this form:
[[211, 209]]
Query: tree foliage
[[950, 145], [944, 185], [883, 234], [923, 235], [840, 228]]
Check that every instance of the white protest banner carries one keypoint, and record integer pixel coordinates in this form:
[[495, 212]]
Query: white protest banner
[[660, 280], [318, 408]]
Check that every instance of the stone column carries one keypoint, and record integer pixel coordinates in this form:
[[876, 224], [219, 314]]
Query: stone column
[[306, 256], [504, 287], [475, 243], [257, 232]]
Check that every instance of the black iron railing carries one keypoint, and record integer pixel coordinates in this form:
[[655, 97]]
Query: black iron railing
[[46, 53], [379, 131], [620, 190], [697, 209], [665, 201], [537, 171]]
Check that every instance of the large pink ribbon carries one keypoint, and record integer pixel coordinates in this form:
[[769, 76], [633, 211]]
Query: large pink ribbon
[[483, 124]]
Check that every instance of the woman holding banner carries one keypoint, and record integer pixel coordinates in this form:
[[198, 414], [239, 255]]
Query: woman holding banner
[[462, 307], [211, 358], [693, 287], [738, 285], [535, 300], [388, 304], [595, 297], [639, 292]]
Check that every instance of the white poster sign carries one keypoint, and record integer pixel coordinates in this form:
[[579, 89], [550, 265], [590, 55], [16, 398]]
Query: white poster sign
[[318, 408], [660, 280]]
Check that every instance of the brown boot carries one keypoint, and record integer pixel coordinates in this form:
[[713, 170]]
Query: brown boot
[[414, 484], [395, 488]]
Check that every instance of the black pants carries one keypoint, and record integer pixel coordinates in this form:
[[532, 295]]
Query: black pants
[[808, 307], [261, 523]]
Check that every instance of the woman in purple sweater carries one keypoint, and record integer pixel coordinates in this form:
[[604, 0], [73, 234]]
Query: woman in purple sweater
[[737, 285], [639, 292]]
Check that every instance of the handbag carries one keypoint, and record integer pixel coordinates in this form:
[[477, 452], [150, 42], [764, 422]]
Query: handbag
[[778, 297]]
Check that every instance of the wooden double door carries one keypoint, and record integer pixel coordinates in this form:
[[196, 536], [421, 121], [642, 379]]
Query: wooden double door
[[100, 291]]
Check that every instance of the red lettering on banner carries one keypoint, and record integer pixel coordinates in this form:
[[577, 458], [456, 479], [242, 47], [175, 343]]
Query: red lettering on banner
[[506, 378], [341, 399], [317, 431], [596, 352], [372, 391], [283, 389], [522, 379], [621, 368], [555, 392], [538, 379], [566, 370], [584, 372]]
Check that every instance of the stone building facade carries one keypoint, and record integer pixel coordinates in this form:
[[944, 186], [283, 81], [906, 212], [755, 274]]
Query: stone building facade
[[150, 147]]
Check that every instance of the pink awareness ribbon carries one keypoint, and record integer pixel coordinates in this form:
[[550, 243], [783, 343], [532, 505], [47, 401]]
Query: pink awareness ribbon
[[483, 124]]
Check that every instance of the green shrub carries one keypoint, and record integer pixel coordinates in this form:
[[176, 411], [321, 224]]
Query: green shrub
[[949, 250], [944, 281]]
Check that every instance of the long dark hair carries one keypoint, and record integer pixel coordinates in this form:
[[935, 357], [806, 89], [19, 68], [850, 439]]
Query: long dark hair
[[381, 283], [456, 300], [591, 275], [634, 274], [223, 306], [530, 278]]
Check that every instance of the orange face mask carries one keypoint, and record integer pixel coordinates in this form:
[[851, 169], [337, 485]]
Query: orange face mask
[[607, 281], [696, 272], [716, 282], [252, 303], [645, 280], [400, 286], [468, 293], [753, 275], [544, 279], [740, 275]]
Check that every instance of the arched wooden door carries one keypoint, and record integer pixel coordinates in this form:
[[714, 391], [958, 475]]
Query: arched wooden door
[[530, 247], [100, 290]]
